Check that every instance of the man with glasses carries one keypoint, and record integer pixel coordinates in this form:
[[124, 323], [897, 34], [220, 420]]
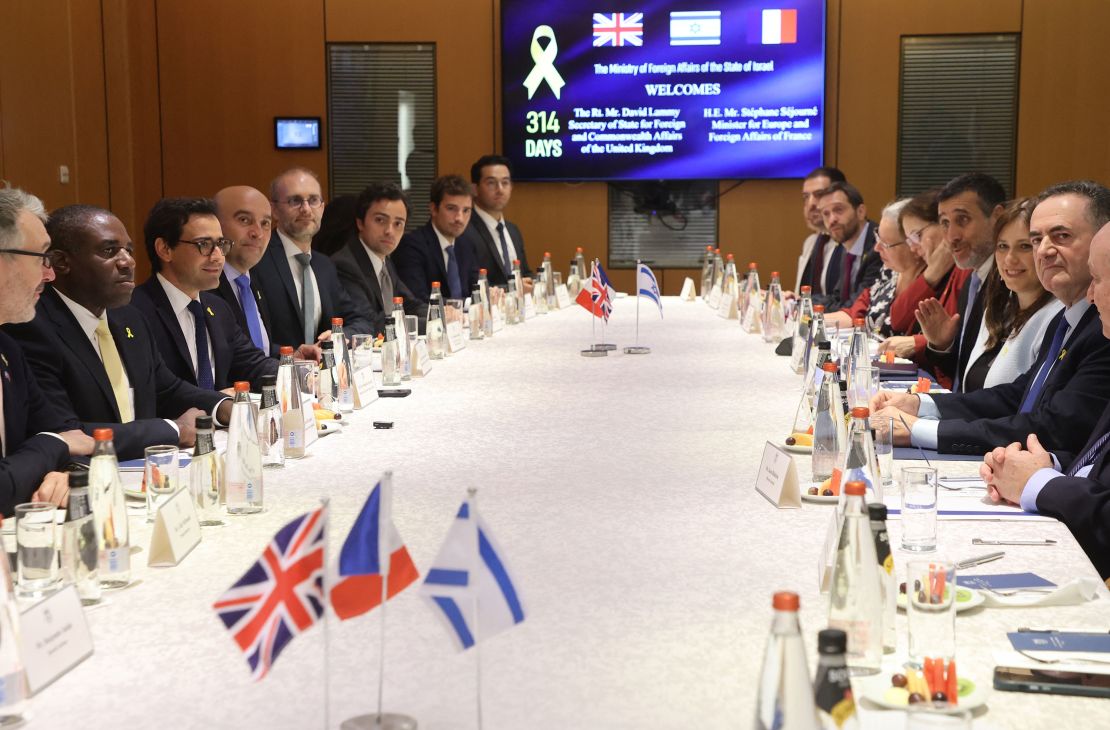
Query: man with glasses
[[301, 287], [968, 207], [36, 439], [94, 355], [197, 334]]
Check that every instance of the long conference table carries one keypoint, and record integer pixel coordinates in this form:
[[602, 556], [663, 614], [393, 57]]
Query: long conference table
[[621, 492]]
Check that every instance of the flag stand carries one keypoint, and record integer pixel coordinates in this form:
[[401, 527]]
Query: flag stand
[[327, 625], [637, 349], [594, 350], [604, 345], [472, 492], [382, 720]]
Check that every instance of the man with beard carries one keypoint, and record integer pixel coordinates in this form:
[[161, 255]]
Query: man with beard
[[854, 266], [817, 250], [435, 252], [495, 241]]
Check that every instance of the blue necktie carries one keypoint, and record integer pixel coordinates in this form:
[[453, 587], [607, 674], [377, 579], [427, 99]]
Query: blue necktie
[[250, 310], [1090, 456], [204, 364], [972, 292], [1046, 367], [506, 263], [454, 283]]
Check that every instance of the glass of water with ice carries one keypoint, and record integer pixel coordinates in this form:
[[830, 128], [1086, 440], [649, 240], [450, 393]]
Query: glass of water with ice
[[919, 508]]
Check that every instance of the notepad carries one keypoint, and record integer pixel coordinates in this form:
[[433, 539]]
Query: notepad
[[1070, 641], [1004, 581]]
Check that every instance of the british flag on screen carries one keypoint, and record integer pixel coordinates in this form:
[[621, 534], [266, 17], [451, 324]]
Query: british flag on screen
[[618, 29], [280, 596]]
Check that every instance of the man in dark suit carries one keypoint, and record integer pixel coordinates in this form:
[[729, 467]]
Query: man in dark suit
[[1059, 398], [968, 207], [435, 252], [365, 263], [496, 241], [36, 439], [300, 286], [93, 354], [818, 248], [1035, 479], [854, 265], [197, 335]]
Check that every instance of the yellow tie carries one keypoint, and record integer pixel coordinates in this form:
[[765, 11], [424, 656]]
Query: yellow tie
[[114, 367]]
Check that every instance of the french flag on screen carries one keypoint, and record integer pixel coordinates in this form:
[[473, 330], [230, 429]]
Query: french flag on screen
[[772, 27]]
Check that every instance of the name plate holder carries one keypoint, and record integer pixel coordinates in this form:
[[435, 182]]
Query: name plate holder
[[715, 296], [726, 307], [366, 391], [689, 292], [176, 531], [777, 479], [529, 307], [455, 339], [54, 638], [421, 362], [562, 296]]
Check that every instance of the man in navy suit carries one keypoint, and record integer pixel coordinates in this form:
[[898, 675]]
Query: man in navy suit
[[495, 240], [197, 334], [300, 286], [365, 263], [854, 265], [1034, 478], [435, 252], [36, 439], [93, 354], [1061, 396]]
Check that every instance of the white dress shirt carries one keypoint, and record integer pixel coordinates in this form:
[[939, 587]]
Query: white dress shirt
[[376, 261], [444, 242], [292, 250], [491, 224], [232, 274], [179, 303]]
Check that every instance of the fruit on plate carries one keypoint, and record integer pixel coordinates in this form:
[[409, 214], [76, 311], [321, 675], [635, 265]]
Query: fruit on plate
[[323, 414], [799, 439], [937, 682]]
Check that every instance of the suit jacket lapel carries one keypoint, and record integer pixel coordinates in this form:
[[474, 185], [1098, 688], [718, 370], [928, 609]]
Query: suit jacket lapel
[[276, 252], [327, 306], [229, 294], [431, 240], [367, 269], [75, 339], [169, 319]]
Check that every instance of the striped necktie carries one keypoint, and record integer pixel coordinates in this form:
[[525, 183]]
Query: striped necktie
[[1090, 456]]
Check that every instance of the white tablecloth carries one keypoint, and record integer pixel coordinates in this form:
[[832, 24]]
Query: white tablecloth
[[620, 489]]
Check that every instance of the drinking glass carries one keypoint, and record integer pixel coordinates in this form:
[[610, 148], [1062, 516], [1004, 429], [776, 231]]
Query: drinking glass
[[362, 351], [883, 428], [931, 609], [864, 384], [160, 477], [37, 547], [919, 508]]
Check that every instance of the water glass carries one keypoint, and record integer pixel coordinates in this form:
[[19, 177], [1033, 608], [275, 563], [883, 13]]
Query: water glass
[[864, 384], [931, 609], [919, 508], [362, 351], [883, 429], [160, 477], [37, 547]]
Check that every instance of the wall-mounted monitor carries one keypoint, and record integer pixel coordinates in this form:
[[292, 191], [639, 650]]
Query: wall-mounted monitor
[[297, 133], [663, 89]]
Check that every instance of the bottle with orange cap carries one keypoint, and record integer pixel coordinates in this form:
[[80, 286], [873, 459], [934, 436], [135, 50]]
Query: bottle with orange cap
[[785, 697], [345, 390], [855, 599], [858, 462], [243, 472], [400, 331], [518, 279], [436, 327], [858, 354], [113, 539], [549, 280], [718, 268], [774, 311], [580, 270], [803, 319], [828, 425], [753, 312], [707, 273], [485, 303], [290, 400]]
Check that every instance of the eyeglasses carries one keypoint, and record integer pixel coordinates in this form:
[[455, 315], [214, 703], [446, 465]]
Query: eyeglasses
[[296, 201], [888, 246], [914, 237], [47, 258], [207, 245]]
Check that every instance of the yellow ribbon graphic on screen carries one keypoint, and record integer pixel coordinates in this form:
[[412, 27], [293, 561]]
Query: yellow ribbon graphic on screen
[[544, 58]]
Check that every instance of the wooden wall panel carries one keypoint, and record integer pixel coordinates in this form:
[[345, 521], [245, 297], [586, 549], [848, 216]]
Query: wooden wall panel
[[1065, 96], [226, 69]]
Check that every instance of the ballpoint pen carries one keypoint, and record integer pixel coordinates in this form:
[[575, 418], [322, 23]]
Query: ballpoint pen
[[981, 541], [971, 562]]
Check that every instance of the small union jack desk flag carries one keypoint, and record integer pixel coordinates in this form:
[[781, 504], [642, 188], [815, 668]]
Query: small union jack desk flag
[[279, 597]]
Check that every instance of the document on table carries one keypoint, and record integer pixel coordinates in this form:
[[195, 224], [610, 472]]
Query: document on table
[[912, 453], [968, 506]]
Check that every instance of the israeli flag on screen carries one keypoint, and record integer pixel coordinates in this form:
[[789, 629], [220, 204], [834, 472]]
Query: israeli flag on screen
[[471, 565], [696, 28]]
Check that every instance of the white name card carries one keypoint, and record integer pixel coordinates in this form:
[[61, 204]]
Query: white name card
[[421, 362], [497, 318], [529, 306], [689, 293], [366, 392], [176, 531], [777, 479], [455, 339], [715, 296], [827, 558], [562, 296], [726, 306], [54, 638]]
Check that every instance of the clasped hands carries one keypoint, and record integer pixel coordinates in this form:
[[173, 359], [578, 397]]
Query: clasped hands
[[901, 407], [1006, 470]]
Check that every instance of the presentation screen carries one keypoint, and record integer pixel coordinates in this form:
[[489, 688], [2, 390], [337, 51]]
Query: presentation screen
[[668, 89], [297, 133]]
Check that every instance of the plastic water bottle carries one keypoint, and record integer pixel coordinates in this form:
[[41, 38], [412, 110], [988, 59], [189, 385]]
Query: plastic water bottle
[[785, 693]]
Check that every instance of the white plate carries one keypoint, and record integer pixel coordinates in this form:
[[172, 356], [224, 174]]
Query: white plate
[[818, 499], [966, 599], [798, 448], [132, 482], [872, 689]]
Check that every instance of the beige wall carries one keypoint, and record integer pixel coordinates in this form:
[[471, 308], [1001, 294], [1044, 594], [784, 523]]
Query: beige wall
[[143, 98]]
